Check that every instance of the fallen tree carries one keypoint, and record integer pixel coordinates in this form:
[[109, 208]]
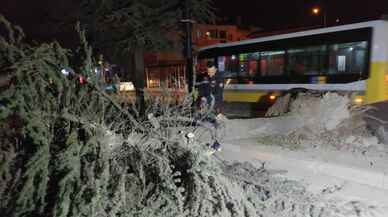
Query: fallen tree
[[70, 149]]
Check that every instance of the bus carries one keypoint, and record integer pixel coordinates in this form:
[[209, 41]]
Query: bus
[[349, 58]]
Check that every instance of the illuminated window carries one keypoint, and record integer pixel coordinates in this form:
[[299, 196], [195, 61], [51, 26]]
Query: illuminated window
[[348, 58], [231, 66], [272, 63], [249, 64], [212, 34], [307, 60], [221, 63], [199, 34]]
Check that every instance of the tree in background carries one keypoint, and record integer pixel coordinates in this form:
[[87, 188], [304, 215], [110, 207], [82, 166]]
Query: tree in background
[[125, 29]]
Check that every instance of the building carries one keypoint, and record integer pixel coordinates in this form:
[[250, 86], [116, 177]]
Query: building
[[167, 68], [206, 35]]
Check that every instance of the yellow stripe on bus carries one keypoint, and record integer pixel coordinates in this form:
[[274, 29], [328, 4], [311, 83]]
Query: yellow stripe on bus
[[242, 96], [377, 84]]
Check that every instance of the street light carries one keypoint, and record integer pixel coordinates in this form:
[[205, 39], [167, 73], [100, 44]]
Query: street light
[[317, 11]]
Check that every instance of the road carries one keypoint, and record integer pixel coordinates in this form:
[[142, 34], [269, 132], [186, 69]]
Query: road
[[361, 176], [380, 112], [354, 176]]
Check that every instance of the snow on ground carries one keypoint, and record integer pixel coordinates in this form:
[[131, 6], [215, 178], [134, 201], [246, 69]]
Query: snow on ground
[[352, 177], [354, 166]]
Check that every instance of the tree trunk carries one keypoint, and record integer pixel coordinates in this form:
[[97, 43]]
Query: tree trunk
[[138, 65]]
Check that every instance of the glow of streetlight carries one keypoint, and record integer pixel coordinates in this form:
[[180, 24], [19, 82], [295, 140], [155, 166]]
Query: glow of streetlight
[[316, 10]]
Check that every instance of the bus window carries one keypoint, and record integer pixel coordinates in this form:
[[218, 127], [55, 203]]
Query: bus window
[[221, 63], [252, 65], [243, 72], [272, 63], [307, 61], [252, 68], [348, 58], [248, 64], [231, 66]]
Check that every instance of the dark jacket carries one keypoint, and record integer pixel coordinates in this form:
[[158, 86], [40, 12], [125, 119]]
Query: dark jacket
[[217, 87], [203, 85], [211, 88]]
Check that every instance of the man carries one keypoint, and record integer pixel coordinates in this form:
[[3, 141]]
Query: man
[[216, 82], [210, 86]]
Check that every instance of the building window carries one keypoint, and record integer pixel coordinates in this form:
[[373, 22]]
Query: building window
[[215, 34], [222, 34], [212, 34], [199, 34]]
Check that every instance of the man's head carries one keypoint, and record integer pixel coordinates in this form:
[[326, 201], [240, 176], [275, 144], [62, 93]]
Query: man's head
[[211, 68]]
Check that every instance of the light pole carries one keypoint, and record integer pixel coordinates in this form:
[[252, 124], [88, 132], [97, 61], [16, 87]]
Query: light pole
[[317, 11], [188, 45]]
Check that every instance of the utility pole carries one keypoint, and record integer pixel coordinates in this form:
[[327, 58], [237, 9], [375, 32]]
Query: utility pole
[[325, 9], [188, 45]]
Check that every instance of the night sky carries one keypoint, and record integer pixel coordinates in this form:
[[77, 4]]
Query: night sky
[[42, 20], [39, 18], [281, 14]]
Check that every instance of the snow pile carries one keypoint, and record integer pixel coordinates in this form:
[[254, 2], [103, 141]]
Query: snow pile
[[327, 120], [321, 113], [279, 197], [382, 134], [280, 107]]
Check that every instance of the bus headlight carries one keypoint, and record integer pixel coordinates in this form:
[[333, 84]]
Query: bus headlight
[[272, 97], [358, 100]]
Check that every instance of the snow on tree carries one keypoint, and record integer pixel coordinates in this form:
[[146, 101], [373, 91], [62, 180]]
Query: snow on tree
[[69, 149]]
